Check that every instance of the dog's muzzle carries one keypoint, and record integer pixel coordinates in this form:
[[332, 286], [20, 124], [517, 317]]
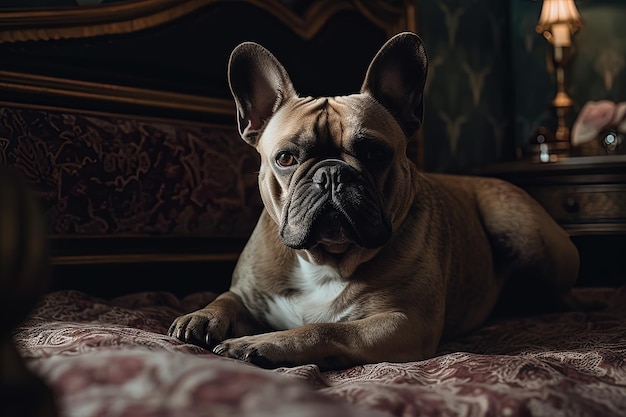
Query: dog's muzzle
[[334, 204]]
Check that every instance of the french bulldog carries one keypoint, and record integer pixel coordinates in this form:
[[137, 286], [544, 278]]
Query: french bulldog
[[358, 257]]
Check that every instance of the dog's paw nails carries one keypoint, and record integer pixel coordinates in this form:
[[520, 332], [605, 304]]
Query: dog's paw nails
[[220, 349], [245, 352], [231, 349], [198, 328], [178, 327], [255, 357]]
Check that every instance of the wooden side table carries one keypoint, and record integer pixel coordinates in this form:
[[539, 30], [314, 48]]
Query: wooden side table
[[587, 197]]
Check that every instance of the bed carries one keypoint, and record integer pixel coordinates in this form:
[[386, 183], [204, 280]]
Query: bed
[[112, 357], [121, 124]]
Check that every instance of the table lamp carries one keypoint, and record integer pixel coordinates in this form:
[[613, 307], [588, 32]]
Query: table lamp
[[559, 19]]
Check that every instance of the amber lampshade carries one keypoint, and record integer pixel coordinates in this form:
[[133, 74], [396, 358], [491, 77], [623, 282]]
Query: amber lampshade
[[558, 20]]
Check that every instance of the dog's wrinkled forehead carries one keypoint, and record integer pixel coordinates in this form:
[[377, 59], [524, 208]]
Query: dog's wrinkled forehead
[[330, 122]]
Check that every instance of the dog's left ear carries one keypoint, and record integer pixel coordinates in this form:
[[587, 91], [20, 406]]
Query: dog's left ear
[[396, 77], [259, 84]]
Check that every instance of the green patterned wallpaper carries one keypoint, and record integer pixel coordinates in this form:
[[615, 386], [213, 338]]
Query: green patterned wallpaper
[[469, 90], [597, 70], [489, 85]]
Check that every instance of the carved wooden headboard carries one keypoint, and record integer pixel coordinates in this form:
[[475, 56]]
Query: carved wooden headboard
[[120, 118]]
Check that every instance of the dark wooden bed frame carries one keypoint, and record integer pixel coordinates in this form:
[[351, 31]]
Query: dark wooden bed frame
[[120, 118]]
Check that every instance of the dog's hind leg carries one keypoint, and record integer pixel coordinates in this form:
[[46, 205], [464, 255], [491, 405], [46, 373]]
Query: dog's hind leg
[[526, 241]]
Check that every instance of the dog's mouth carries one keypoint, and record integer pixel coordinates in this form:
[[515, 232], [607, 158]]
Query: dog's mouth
[[336, 248], [333, 233]]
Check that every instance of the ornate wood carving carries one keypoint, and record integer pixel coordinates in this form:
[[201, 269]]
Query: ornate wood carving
[[125, 17], [31, 73]]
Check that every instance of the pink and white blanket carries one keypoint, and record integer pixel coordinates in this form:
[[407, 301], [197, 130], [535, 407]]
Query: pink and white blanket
[[113, 358]]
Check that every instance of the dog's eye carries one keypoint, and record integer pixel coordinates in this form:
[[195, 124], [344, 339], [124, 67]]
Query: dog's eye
[[372, 151], [286, 159], [376, 154]]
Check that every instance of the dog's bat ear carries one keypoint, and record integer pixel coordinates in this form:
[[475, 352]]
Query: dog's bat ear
[[396, 77], [259, 84]]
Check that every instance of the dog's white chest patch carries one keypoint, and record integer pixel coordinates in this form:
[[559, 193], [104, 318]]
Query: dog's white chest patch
[[316, 289]]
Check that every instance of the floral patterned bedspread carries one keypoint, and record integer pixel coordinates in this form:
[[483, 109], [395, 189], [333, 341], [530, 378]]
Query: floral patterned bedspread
[[113, 358]]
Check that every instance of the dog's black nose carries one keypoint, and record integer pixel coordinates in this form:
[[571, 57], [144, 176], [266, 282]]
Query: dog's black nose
[[323, 177], [330, 177]]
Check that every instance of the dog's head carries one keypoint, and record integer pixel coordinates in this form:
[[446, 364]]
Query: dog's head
[[334, 173]]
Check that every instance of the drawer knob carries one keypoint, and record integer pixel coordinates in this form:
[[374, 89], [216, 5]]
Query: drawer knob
[[570, 205]]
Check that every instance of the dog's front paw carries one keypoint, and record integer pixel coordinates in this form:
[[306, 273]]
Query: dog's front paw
[[258, 350], [203, 327]]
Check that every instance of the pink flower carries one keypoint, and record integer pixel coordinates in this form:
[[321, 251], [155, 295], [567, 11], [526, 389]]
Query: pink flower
[[619, 118], [594, 117]]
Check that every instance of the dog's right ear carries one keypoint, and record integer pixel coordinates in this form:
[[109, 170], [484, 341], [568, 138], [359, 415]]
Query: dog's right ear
[[259, 84]]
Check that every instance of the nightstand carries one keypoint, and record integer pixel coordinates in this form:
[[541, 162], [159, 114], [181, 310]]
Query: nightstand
[[587, 197]]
